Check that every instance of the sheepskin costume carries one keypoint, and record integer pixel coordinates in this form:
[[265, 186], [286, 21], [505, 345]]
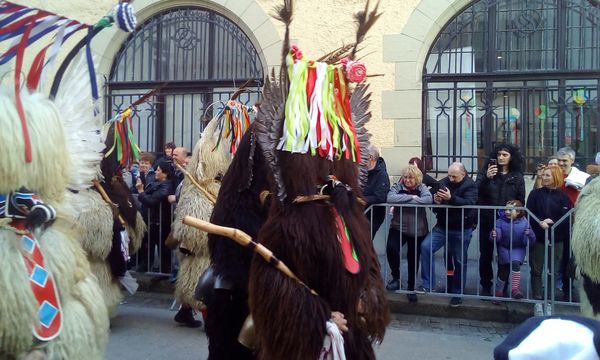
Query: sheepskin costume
[[96, 216], [102, 240], [315, 223], [208, 162], [585, 242], [84, 331]]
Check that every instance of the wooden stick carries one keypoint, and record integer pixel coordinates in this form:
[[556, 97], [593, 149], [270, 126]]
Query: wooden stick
[[108, 200], [208, 195], [245, 240]]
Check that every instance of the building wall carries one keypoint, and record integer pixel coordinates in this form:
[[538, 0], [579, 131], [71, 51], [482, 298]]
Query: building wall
[[396, 48]]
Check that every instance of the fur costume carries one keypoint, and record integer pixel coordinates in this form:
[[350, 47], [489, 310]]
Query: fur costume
[[54, 167], [325, 241], [240, 206], [102, 222], [585, 242], [208, 162]]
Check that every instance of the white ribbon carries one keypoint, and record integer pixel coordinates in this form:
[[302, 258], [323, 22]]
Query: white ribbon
[[333, 344]]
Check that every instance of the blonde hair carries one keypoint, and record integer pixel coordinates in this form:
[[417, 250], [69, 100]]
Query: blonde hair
[[414, 172]]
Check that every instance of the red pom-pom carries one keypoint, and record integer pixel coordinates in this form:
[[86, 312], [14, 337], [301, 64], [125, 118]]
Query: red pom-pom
[[356, 71]]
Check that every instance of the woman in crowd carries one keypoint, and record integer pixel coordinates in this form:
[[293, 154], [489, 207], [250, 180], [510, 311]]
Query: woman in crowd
[[552, 161], [409, 225], [153, 199], [428, 180], [498, 181], [548, 203]]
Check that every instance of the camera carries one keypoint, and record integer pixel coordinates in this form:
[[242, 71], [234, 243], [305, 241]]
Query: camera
[[493, 162]]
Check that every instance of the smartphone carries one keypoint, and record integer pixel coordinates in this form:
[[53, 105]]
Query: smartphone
[[493, 162]]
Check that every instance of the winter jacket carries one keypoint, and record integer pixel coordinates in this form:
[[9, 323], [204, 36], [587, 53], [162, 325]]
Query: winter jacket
[[553, 204], [511, 238], [499, 190], [462, 193], [154, 201], [378, 184], [414, 220]]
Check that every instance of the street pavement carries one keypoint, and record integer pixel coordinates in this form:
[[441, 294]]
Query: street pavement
[[144, 329]]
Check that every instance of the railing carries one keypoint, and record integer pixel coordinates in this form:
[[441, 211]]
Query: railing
[[469, 285]]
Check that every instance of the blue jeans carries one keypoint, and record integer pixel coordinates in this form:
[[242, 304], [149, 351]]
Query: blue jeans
[[458, 244]]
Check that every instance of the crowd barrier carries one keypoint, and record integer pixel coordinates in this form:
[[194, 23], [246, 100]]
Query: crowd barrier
[[555, 291]]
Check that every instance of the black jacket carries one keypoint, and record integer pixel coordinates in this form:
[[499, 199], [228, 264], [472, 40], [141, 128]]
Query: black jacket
[[378, 184], [462, 193], [552, 204], [501, 188], [154, 199]]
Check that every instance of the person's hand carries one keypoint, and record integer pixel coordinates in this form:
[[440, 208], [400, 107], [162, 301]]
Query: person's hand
[[493, 233], [545, 224], [444, 194], [527, 231], [338, 318], [437, 199], [492, 170], [172, 199], [139, 185]]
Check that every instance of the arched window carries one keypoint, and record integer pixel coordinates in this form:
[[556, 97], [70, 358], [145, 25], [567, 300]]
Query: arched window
[[198, 57], [523, 72]]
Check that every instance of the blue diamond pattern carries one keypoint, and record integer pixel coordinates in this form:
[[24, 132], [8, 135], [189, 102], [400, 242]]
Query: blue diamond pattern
[[47, 313], [27, 243], [39, 276]]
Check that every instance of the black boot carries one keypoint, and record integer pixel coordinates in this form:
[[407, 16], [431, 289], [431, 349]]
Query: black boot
[[185, 316]]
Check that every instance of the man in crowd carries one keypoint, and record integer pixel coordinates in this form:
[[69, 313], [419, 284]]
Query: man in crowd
[[179, 158], [377, 188], [574, 178], [454, 226]]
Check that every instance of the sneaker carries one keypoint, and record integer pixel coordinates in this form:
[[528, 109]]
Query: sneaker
[[422, 290], [455, 302], [185, 316], [516, 294], [538, 310], [412, 297], [393, 285]]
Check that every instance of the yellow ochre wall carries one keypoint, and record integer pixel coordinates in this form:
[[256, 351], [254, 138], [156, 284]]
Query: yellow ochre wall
[[396, 47]]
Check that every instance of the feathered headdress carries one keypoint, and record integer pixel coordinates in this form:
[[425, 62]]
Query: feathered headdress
[[311, 106]]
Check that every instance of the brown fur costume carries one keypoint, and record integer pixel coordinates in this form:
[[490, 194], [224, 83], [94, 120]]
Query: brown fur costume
[[85, 322], [205, 166], [289, 320], [585, 243], [239, 206]]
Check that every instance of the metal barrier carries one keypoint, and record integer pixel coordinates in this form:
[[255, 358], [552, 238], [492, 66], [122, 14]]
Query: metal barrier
[[468, 285], [153, 257]]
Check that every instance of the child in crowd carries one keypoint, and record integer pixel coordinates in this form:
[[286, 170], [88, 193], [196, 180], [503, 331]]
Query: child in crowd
[[512, 235]]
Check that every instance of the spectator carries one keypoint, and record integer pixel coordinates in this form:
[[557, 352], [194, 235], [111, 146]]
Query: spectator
[[376, 190], [179, 157], [153, 198], [166, 154], [512, 235], [593, 169], [457, 189], [548, 203], [498, 181], [552, 161], [574, 179], [409, 224], [428, 180], [146, 172]]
